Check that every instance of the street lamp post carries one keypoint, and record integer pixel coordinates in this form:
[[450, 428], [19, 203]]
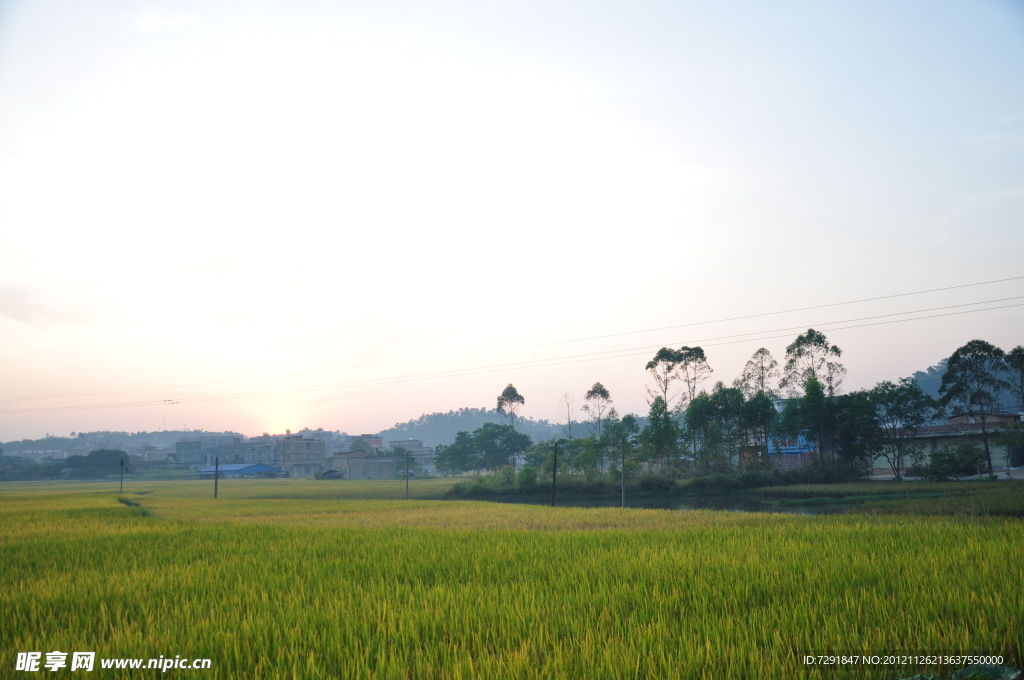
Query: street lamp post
[[122, 475]]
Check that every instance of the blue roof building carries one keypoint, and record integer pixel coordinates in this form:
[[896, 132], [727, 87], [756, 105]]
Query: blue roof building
[[240, 470]]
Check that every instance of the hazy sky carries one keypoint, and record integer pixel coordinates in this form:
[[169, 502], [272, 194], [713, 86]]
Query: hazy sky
[[309, 204]]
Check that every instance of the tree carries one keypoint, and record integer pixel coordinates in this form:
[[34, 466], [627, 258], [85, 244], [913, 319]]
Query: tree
[[714, 452], [98, 463], [858, 434], [509, 403], [538, 454], [972, 384], [586, 456], [713, 421], [687, 364], [664, 369], [660, 437], [728, 403], [541, 457], [1015, 362], [759, 418], [597, 401], [759, 374], [459, 456], [567, 409], [902, 408], [569, 451], [75, 461], [700, 413], [499, 445], [813, 417], [693, 369], [810, 356], [362, 446], [407, 462], [621, 437]]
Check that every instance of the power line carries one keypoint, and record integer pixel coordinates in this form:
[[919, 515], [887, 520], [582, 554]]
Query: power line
[[522, 347], [535, 363], [559, 361], [539, 363]]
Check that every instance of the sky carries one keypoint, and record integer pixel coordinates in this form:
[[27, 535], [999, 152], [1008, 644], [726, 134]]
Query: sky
[[254, 216]]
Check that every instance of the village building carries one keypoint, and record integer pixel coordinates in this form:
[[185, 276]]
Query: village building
[[372, 467], [239, 471], [937, 435], [789, 453], [376, 443], [189, 452], [424, 455], [148, 452], [301, 456]]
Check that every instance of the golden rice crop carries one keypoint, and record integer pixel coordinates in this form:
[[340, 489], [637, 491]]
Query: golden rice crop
[[279, 579]]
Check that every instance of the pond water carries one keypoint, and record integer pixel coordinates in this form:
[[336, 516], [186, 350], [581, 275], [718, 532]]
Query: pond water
[[736, 504], [730, 503]]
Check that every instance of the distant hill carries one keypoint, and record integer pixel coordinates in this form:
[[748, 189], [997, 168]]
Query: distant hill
[[930, 378], [84, 442], [440, 428]]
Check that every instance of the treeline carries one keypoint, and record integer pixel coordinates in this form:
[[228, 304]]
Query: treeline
[[96, 464], [690, 431], [104, 439]]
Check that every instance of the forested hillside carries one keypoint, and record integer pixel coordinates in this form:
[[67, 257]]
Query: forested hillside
[[930, 378], [440, 428]]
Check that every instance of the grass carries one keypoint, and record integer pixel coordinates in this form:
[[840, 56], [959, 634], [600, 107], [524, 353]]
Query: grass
[[304, 579]]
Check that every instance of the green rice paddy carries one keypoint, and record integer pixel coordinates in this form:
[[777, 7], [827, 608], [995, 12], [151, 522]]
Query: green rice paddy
[[306, 579]]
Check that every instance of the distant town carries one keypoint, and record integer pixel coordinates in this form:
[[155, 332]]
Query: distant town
[[309, 453]]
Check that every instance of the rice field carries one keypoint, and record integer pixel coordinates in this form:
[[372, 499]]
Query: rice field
[[301, 579]]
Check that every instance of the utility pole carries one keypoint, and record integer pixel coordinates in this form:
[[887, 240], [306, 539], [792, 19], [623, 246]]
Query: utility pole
[[554, 471], [407, 454], [216, 474], [122, 475], [623, 474]]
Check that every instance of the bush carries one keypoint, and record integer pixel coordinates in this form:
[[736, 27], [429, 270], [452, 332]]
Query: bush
[[960, 458], [653, 481], [826, 475], [480, 485], [632, 469], [526, 478], [755, 479], [714, 482], [456, 490]]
